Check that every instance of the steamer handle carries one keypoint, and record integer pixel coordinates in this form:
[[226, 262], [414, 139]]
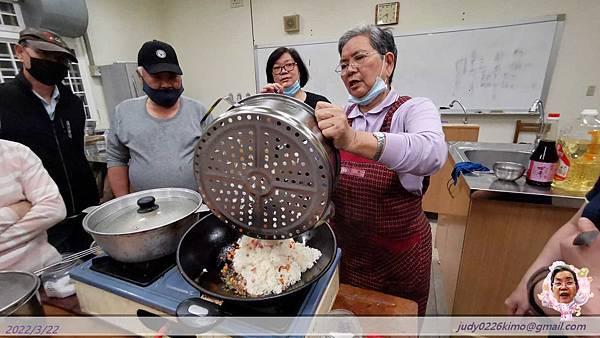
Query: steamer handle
[[228, 99]]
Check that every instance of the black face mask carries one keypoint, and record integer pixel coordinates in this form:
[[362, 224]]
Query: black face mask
[[47, 72], [163, 97]]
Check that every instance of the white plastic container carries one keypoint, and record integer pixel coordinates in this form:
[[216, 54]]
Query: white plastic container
[[57, 282]]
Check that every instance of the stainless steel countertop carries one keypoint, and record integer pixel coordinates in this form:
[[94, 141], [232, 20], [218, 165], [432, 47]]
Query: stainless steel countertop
[[517, 190]]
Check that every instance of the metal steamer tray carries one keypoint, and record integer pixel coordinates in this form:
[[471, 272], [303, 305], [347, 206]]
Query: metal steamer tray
[[265, 168]]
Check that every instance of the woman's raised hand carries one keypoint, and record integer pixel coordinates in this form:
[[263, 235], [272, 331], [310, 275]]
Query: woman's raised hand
[[272, 88], [334, 124]]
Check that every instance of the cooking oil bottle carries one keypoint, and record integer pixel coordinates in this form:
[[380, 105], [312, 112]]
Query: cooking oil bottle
[[579, 154]]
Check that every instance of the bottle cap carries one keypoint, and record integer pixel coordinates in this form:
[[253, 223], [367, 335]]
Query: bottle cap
[[553, 116]]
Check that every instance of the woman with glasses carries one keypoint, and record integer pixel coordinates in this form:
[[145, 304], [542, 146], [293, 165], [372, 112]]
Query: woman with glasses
[[388, 142], [287, 74], [564, 284]]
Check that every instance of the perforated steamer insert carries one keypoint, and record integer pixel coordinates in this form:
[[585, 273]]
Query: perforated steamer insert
[[264, 167]]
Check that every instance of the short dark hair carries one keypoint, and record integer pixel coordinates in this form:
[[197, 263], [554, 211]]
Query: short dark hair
[[563, 268], [277, 53], [381, 39]]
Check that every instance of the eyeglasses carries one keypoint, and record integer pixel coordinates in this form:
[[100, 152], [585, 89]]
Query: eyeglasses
[[355, 61], [567, 283], [288, 68]]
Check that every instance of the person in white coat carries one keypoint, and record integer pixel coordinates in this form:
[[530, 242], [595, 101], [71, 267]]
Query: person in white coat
[[30, 203]]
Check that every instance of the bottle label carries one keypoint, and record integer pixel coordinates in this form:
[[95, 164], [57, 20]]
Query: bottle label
[[541, 171], [563, 164]]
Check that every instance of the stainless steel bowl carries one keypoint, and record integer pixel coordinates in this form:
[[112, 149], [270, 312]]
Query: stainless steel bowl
[[19, 294], [508, 171]]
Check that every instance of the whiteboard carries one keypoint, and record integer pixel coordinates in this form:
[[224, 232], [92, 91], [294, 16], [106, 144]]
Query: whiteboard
[[491, 68]]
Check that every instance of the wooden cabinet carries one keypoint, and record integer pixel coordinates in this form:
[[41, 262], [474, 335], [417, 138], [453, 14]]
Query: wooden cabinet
[[438, 199], [485, 245]]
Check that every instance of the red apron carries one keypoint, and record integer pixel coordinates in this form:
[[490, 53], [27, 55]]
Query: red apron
[[381, 228]]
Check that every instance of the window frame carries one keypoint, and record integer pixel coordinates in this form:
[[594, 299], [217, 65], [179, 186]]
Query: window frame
[[20, 21], [86, 77], [10, 40]]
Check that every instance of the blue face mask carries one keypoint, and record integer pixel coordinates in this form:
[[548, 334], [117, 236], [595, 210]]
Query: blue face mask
[[378, 87], [293, 89], [163, 97]]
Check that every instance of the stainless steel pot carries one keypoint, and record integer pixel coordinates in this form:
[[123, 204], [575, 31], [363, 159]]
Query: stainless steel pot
[[264, 167], [144, 225], [19, 294]]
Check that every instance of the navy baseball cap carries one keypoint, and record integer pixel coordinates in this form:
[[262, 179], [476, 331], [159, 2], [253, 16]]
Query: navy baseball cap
[[157, 56]]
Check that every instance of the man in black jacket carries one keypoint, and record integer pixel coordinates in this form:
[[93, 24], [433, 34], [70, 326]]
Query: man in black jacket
[[41, 113]]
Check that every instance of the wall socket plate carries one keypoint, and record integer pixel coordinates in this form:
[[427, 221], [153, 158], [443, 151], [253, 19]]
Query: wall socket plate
[[237, 3], [590, 91]]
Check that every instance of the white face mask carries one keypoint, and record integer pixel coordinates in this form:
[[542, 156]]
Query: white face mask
[[378, 87]]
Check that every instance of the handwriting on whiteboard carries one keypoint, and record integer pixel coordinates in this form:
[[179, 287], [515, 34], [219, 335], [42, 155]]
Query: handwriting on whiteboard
[[489, 73]]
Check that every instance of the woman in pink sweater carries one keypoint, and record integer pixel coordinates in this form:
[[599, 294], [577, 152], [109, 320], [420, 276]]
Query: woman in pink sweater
[[30, 203]]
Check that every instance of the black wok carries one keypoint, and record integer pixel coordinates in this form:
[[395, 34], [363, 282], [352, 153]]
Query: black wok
[[201, 252]]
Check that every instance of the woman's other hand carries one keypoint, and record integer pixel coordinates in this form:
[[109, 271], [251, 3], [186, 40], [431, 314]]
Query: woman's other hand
[[272, 88], [21, 208], [334, 125]]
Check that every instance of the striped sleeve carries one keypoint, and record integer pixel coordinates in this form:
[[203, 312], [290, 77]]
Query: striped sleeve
[[7, 217], [48, 207]]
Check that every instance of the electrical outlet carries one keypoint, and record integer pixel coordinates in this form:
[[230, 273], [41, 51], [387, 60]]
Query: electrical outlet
[[237, 3], [590, 91]]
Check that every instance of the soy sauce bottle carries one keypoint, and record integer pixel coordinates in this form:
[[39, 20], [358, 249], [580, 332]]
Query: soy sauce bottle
[[544, 159]]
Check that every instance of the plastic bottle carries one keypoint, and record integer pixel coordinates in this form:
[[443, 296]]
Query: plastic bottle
[[579, 154], [544, 159]]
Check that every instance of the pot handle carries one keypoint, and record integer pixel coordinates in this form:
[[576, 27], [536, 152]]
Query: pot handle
[[146, 204], [199, 314], [228, 99], [84, 211], [202, 208], [330, 211], [328, 214]]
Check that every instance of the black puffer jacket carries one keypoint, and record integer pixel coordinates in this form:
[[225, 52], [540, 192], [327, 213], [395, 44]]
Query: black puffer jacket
[[59, 143]]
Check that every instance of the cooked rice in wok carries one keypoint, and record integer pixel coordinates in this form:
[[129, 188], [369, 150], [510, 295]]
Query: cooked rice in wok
[[261, 267]]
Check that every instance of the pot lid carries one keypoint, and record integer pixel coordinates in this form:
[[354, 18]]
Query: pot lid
[[264, 168], [143, 211], [16, 288]]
